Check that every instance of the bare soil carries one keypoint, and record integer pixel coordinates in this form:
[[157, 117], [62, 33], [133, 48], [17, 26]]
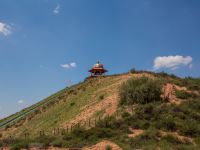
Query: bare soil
[[135, 132], [102, 146], [184, 139]]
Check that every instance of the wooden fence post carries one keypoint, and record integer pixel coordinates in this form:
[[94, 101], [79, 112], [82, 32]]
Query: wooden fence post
[[42, 132], [11, 139], [71, 128], [67, 129], [58, 131], [54, 131], [63, 132]]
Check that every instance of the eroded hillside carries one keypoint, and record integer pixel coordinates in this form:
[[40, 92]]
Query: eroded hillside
[[172, 121], [92, 98]]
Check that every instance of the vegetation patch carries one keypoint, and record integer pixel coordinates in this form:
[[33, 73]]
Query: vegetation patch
[[141, 91], [151, 115], [183, 94]]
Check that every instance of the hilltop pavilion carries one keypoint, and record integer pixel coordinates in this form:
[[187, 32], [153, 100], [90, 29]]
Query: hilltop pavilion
[[97, 70]]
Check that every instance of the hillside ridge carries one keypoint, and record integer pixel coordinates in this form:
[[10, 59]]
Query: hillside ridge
[[94, 103]]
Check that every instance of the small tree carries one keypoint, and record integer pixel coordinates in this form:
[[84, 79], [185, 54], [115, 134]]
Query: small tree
[[142, 90], [132, 70]]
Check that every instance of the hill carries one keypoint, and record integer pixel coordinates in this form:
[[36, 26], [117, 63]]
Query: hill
[[97, 109]]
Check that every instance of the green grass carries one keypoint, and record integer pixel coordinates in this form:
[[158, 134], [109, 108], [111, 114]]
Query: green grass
[[183, 94]]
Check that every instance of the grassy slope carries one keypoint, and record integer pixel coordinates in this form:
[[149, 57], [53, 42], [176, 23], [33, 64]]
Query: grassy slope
[[62, 106], [69, 103], [29, 110]]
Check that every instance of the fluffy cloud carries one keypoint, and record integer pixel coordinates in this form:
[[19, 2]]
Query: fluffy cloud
[[57, 9], [5, 29], [172, 62], [20, 101], [69, 65]]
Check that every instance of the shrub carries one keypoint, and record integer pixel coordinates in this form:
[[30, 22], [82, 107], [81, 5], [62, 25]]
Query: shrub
[[99, 133], [45, 140], [101, 97], [37, 111], [125, 115], [6, 127], [108, 147], [183, 94], [149, 136], [72, 103], [190, 128], [168, 123], [163, 74], [132, 70], [57, 142], [143, 90], [20, 145]]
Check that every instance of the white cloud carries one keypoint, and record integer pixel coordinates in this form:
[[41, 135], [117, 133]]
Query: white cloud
[[57, 9], [21, 101], [5, 29], [69, 65], [172, 62]]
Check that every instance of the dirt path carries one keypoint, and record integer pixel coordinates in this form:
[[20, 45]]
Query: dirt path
[[135, 132]]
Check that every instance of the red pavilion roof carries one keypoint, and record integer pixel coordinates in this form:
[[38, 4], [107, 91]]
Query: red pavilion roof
[[98, 67]]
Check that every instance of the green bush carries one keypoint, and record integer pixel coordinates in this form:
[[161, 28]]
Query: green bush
[[149, 136], [45, 140], [72, 103], [58, 142], [142, 91], [108, 147], [20, 145], [183, 94], [168, 123], [190, 128], [132, 70], [101, 97]]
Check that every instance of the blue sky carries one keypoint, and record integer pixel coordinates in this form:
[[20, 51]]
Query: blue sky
[[47, 44]]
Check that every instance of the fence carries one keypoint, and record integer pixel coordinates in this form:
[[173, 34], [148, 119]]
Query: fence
[[62, 131]]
